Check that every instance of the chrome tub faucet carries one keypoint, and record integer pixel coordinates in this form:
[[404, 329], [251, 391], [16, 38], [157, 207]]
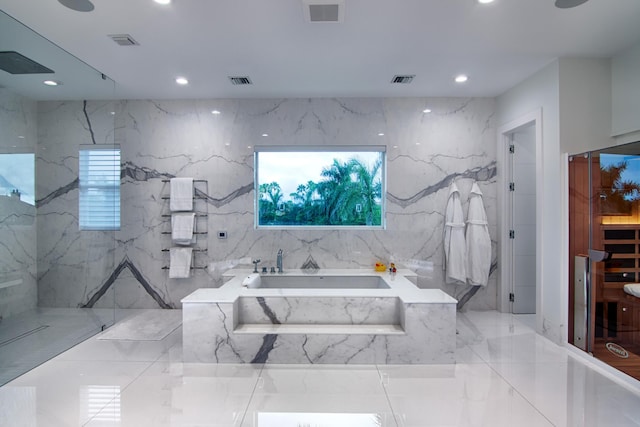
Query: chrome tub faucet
[[279, 261]]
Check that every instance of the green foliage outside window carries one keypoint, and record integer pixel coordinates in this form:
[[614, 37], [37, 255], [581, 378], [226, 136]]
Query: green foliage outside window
[[348, 190]]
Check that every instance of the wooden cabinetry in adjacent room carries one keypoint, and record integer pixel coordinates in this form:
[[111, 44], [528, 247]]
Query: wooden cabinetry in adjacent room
[[620, 311], [623, 241], [627, 326]]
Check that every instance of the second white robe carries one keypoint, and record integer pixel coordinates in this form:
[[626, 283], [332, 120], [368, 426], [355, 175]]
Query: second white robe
[[478, 240]]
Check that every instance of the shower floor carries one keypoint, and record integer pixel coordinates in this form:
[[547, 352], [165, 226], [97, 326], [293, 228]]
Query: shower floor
[[31, 338]]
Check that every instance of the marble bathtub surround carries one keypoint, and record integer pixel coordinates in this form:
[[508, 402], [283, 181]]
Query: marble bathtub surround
[[397, 323], [175, 138]]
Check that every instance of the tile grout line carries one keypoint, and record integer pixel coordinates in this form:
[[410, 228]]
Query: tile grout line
[[151, 363], [386, 394], [255, 386], [490, 366], [519, 393], [119, 394]]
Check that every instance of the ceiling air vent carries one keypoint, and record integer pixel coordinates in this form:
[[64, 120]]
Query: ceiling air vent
[[404, 80], [124, 39], [324, 10], [238, 81]]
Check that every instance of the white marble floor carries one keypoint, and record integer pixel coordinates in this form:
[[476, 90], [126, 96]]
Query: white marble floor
[[32, 337], [506, 375]]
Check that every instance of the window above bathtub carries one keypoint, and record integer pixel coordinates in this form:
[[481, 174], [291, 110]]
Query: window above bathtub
[[318, 187]]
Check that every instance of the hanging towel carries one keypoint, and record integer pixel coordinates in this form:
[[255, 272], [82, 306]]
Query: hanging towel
[[455, 252], [180, 263], [181, 198], [478, 240], [182, 227]]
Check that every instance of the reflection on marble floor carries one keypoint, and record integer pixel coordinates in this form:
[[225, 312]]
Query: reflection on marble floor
[[506, 375], [30, 338]]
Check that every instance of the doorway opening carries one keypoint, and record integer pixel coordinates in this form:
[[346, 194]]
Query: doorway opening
[[520, 152]]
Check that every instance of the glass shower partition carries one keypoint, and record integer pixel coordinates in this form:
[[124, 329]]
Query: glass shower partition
[[51, 272]]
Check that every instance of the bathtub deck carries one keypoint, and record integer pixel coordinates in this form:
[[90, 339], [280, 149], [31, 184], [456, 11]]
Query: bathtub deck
[[401, 324]]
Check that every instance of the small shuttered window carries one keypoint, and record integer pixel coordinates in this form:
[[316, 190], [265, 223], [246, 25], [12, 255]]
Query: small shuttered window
[[99, 203]]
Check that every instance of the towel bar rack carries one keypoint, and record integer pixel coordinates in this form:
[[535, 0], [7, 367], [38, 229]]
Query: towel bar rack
[[197, 215], [194, 197], [195, 232], [200, 211]]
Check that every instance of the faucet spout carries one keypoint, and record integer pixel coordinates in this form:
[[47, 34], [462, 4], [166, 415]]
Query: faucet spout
[[279, 261]]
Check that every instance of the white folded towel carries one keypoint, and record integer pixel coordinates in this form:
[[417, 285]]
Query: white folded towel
[[181, 198], [180, 262], [182, 228], [252, 281], [632, 289]]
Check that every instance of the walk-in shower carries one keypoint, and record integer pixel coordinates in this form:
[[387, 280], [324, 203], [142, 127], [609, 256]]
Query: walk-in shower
[[40, 241]]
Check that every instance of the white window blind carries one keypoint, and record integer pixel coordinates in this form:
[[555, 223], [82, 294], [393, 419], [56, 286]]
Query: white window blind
[[99, 203]]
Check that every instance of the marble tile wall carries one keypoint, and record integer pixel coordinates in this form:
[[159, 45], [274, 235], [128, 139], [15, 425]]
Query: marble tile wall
[[72, 265], [163, 139], [18, 289]]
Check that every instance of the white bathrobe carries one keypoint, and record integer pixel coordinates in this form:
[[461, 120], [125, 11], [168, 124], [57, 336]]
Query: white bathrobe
[[455, 252], [478, 240]]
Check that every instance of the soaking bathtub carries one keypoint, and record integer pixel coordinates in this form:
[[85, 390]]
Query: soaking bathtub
[[332, 316], [321, 281]]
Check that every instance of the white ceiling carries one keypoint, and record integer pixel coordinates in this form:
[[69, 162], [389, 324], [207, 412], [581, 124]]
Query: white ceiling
[[497, 45]]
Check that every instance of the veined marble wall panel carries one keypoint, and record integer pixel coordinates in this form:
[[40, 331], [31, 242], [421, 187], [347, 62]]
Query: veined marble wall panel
[[72, 265], [18, 133], [163, 139]]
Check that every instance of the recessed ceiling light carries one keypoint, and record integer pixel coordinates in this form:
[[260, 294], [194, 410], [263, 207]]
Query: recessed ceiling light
[[182, 81], [265, 134], [395, 146], [461, 78], [417, 143], [479, 1], [162, 1], [227, 144], [21, 136], [51, 83], [381, 134], [215, 112], [248, 146], [426, 110], [113, 113]]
